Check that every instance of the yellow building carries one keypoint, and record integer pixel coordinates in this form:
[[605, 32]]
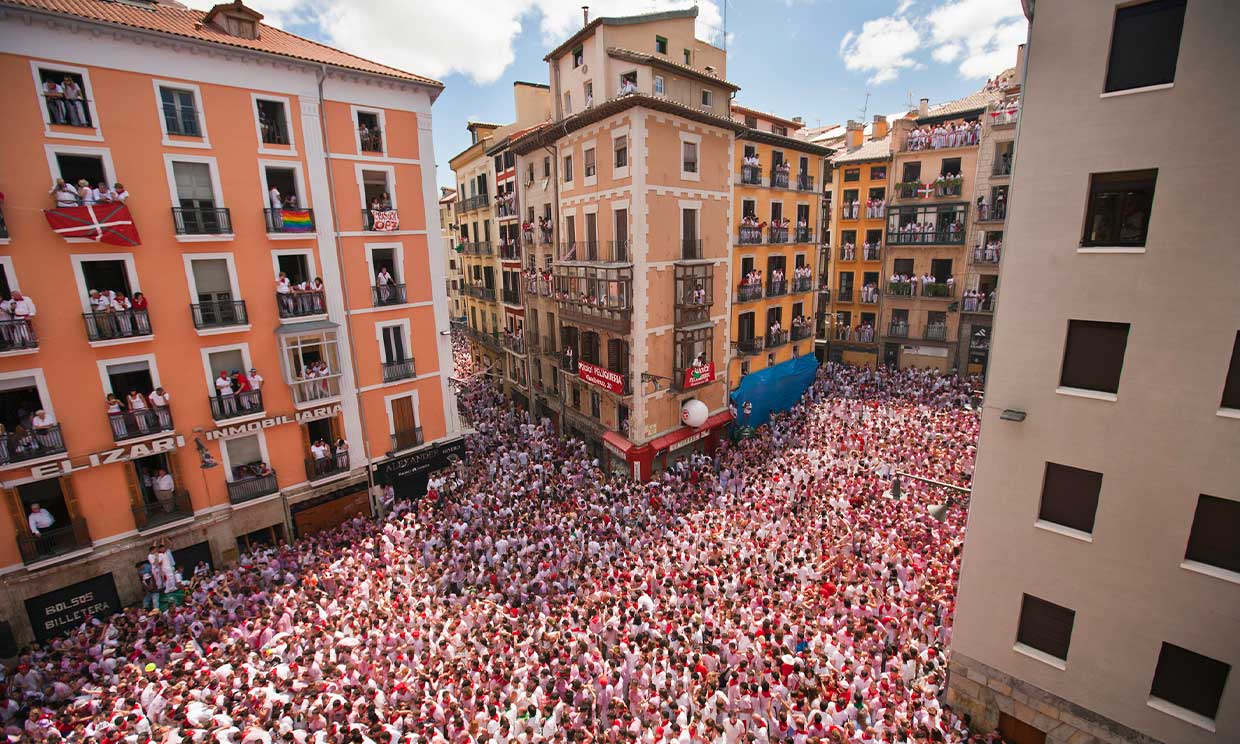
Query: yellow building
[[476, 230], [775, 254], [856, 203]]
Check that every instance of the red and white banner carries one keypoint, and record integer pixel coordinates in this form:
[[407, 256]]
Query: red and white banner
[[386, 220], [602, 377], [699, 374], [108, 223]]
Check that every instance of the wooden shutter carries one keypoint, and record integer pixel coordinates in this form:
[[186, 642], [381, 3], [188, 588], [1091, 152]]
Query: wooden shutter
[[305, 439], [1189, 680], [1214, 537], [16, 511], [1045, 626], [337, 429], [174, 469], [1070, 496], [402, 415], [66, 492]]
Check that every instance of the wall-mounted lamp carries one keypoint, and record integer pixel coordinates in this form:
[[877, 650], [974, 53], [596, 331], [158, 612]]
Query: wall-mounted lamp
[[1011, 414]]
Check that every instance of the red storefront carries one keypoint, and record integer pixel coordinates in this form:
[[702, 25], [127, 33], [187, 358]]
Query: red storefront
[[642, 462]]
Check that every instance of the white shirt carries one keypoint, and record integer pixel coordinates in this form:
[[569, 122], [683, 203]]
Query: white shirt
[[282, 286], [159, 400], [276, 203], [256, 381], [319, 451], [164, 483], [23, 308], [384, 278], [223, 385], [40, 520], [41, 421]]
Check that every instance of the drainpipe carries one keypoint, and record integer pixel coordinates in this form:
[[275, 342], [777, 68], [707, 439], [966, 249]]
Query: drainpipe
[[375, 504]]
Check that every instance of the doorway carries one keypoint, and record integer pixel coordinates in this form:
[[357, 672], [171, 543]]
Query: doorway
[[74, 168]]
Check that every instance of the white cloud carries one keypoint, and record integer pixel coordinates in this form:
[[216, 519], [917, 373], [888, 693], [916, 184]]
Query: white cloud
[[978, 36], [470, 37], [882, 48]]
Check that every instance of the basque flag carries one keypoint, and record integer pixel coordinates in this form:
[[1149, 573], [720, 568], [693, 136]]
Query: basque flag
[[108, 223]]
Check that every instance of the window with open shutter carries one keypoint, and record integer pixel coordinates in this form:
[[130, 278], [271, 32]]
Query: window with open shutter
[[1070, 496], [404, 422], [1045, 626]]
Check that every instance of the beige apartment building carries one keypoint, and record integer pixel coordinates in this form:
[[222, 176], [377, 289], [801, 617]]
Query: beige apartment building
[[453, 261], [1099, 596], [641, 146]]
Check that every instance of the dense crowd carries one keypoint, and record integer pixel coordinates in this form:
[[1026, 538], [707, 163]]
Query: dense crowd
[[769, 593]]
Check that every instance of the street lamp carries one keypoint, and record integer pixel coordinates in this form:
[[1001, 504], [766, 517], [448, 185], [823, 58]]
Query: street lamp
[[937, 512]]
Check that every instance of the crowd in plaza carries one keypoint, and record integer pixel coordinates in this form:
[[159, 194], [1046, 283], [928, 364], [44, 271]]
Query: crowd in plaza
[[770, 592]]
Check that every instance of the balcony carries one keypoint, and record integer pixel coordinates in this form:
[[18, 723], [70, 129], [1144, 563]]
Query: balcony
[[150, 516], [400, 369], [479, 248], [751, 175], [804, 235], [986, 256], [908, 190], [505, 208], [242, 490], [750, 236], [935, 332], [779, 178], [979, 302], [900, 289], [992, 212], [475, 202], [66, 112], [224, 407], [511, 296], [850, 211], [54, 542], [870, 252], [140, 423], [802, 284], [479, 293], [949, 236], [869, 295], [805, 182], [546, 236], [17, 334], [380, 220], [31, 445], [1003, 166], [845, 294], [318, 468], [777, 234], [619, 251], [897, 330], [301, 304], [219, 314], [315, 389], [748, 292], [1004, 113], [690, 249], [387, 294], [109, 326], [693, 293], [776, 339], [407, 439], [802, 331], [202, 221], [289, 220], [750, 346], [513, 343], [777, 288], [371, 139], [948, 187], [618, 320], [510, 251], [938, 291]]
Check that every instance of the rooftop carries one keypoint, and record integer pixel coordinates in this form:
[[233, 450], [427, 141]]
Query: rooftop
[[177, 20], [658, 60], [587, 29], [869, 150], [790, 123]]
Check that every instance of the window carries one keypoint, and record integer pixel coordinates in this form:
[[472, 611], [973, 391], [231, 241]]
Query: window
[[590, 167], [65, 96], [660, 45], [547, 166], [708, 98], [950, 167], [1213, 537], [1119, 208], [578, 56], [779, 129], [1070, 497], [197, 213], [688, 58], [589, 91], [596, 405], [751, 122], [1093, 355], [369, 132], [1231, 387], [621, 145], [272, 122], [1188, 680], [180, 113], [690, 157], [1045, 626], [852, 174], [568, 104], [1145, 43], [568, 168], [878, 173], [658, 85]]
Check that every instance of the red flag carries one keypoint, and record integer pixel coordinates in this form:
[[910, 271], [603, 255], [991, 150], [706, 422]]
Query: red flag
[[109, 223]]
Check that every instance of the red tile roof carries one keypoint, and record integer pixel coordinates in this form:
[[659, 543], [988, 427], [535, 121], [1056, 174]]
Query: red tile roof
[[187, 23]]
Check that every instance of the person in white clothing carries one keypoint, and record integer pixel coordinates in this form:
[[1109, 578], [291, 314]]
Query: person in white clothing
[[284, 293], [21, 309], [164, 486], [224, 391], [277, 203], [256, 380], [159, 399], [382, 280], [40, 519], [321, 453]]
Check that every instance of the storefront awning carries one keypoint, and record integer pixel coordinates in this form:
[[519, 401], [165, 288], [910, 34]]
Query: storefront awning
[[687, 435], [618, 443]]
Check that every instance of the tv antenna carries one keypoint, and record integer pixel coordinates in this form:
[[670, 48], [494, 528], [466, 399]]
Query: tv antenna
[[865, 108]]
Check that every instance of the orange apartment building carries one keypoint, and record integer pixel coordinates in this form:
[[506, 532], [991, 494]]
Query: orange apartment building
[[641, 147], [208, 119], [859, 193], [775, 259]]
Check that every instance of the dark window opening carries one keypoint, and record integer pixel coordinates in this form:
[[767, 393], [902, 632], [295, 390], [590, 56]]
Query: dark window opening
[[1070, 496], [1093, 355], [1145, 43]]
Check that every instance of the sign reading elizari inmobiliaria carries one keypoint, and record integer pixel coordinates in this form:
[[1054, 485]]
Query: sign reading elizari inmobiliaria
[[424, 460], [58, 612], [176, 441]]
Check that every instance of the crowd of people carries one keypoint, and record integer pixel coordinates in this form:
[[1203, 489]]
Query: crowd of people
[[770, 592], [938, 136], [989, 252]]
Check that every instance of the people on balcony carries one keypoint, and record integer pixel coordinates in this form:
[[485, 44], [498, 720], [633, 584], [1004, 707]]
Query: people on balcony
[[64, 194], [869, 293], [948, 184], [698, 296], [978, 299], [40, 519], [988, 253], [848, 251], [802, 273], [927, 232], [384, 282], [865, 332], [851, 209], [874, 208], [752, 279], [751, 161], [19, 308], [870, 251], [962, 134]]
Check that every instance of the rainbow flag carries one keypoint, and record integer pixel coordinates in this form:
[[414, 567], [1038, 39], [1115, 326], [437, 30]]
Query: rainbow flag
[[297, 220]]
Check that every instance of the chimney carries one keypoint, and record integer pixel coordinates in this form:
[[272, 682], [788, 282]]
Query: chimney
[[856, 134], [923, 107], [585, 15], [880, 127], [798, 120], [1018, 75]]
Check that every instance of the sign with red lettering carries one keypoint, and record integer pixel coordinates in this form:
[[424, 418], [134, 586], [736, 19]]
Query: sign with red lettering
[[604, 378], [699, 374], [385, 220]]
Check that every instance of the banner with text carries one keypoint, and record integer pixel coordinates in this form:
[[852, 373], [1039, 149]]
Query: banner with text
[[602, 377], [699, 375]]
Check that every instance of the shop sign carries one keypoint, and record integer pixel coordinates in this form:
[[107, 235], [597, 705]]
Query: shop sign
[[690, 440], [425, 460], [301, 417], [58, 612], [602, 377], [699, 374]]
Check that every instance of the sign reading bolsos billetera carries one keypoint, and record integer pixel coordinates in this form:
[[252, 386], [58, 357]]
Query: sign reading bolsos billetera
[[57, 612], [175, 441]]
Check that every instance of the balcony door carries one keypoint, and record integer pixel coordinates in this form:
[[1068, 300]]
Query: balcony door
[[591, 252], [404, 423], [194, 190], [142, 476], [745, 326], [106, 275], [127, 377], [394, 344], [55, 495], [295, 266], [74, 168], [213, 289], [689, 229], [621, 251]]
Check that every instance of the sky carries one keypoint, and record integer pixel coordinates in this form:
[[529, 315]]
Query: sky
[[824, 60]]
